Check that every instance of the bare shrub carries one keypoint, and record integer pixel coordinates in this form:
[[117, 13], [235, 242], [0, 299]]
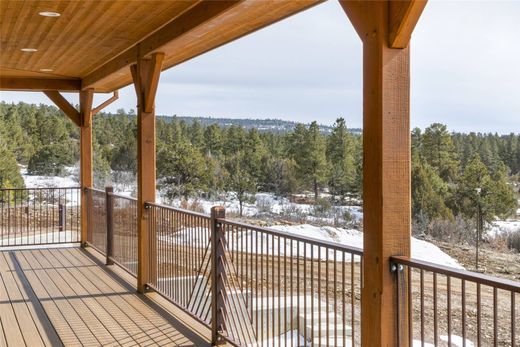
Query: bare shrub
[[459, 230], [513, 240], [196, 206]]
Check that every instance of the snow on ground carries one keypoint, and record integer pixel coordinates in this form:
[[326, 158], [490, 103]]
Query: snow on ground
[[268, 203], [500, 227], [261, 243], [35, 181], [288, 339], [457, 341]]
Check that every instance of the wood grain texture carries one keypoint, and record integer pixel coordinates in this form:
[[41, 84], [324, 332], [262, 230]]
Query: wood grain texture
[[386, 170], [39, 84], [105, 103], [65, 296], [86, 156], [403, 15], [146, 79], [96, 41], [64, 106], [87, 34]]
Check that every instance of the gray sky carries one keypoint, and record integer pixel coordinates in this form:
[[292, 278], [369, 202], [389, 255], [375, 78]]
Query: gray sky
[[465, 71]]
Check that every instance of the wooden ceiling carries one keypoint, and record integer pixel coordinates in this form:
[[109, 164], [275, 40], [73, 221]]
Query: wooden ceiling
[[93, 43]]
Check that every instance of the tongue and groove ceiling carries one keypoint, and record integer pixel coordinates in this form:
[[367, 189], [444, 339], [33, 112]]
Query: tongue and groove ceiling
[[93, 43]]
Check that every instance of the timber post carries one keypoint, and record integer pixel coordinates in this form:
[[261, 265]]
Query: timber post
[[86, 168], [109, 205], [83, 119], [385, 28], [218, 291], [145, 75]]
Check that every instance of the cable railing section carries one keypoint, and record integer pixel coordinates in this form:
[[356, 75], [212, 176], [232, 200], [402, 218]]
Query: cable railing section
[[39, 216], [449, 306]]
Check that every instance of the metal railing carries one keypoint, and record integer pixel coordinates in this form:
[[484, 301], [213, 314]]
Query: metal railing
[[181, 265], [450, 306], [122, 239], [97, 219], [112, 227], [38, 216], [292, 287], [256, 286]]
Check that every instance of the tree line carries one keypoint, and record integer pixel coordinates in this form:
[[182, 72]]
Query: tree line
[[452, 173]]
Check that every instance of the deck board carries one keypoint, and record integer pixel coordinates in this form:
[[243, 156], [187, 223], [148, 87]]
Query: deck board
[[66, 296]]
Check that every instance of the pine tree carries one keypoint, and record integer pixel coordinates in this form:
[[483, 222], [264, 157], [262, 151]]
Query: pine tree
[[478, 190], [340, 155], [182, 170], [438, 150], [239, 178], [429, 191]]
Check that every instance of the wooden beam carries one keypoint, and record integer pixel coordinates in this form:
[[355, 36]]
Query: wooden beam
[[86, 154], [86, 99], [403, 17], [64, 105], [386, 173], [145, 83], [178, 27], [152, 80], [39, 84], [104, 104]]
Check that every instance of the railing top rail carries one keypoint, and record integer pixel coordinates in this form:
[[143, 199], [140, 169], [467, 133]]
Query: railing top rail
[[178, 209], [40, 188], [499, 283], [119, 196], [310, 240], [95, 190]]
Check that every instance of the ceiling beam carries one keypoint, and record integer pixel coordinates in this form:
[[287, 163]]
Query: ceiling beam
[[198, 15], [403, 16], [64, 105], [39, 84]]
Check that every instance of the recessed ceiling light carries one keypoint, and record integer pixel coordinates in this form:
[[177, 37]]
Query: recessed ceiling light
[[29, 50], [49, 14], [46, 70]]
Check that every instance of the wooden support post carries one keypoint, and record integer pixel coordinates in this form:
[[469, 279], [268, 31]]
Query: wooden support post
[[145, 75], [218, 274], [86, 171], [386, 171], [109, 205], [83, 119]]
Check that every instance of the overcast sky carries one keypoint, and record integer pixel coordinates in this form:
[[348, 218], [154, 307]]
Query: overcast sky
[[465, 71]]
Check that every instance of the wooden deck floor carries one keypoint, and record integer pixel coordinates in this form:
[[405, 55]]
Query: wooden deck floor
[[66, 296]]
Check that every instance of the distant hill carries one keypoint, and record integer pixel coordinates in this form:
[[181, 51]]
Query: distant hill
[[264, 125]]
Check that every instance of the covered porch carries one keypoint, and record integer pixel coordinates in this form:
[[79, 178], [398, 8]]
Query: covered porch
[[204, 279]]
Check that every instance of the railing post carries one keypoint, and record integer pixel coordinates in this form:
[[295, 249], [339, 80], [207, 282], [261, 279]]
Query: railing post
[[86, 216], [402, 313], [109, 205], [61, 215], [218, 241]]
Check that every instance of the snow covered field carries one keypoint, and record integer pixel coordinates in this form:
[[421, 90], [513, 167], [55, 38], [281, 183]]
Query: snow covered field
[[35, 181]]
